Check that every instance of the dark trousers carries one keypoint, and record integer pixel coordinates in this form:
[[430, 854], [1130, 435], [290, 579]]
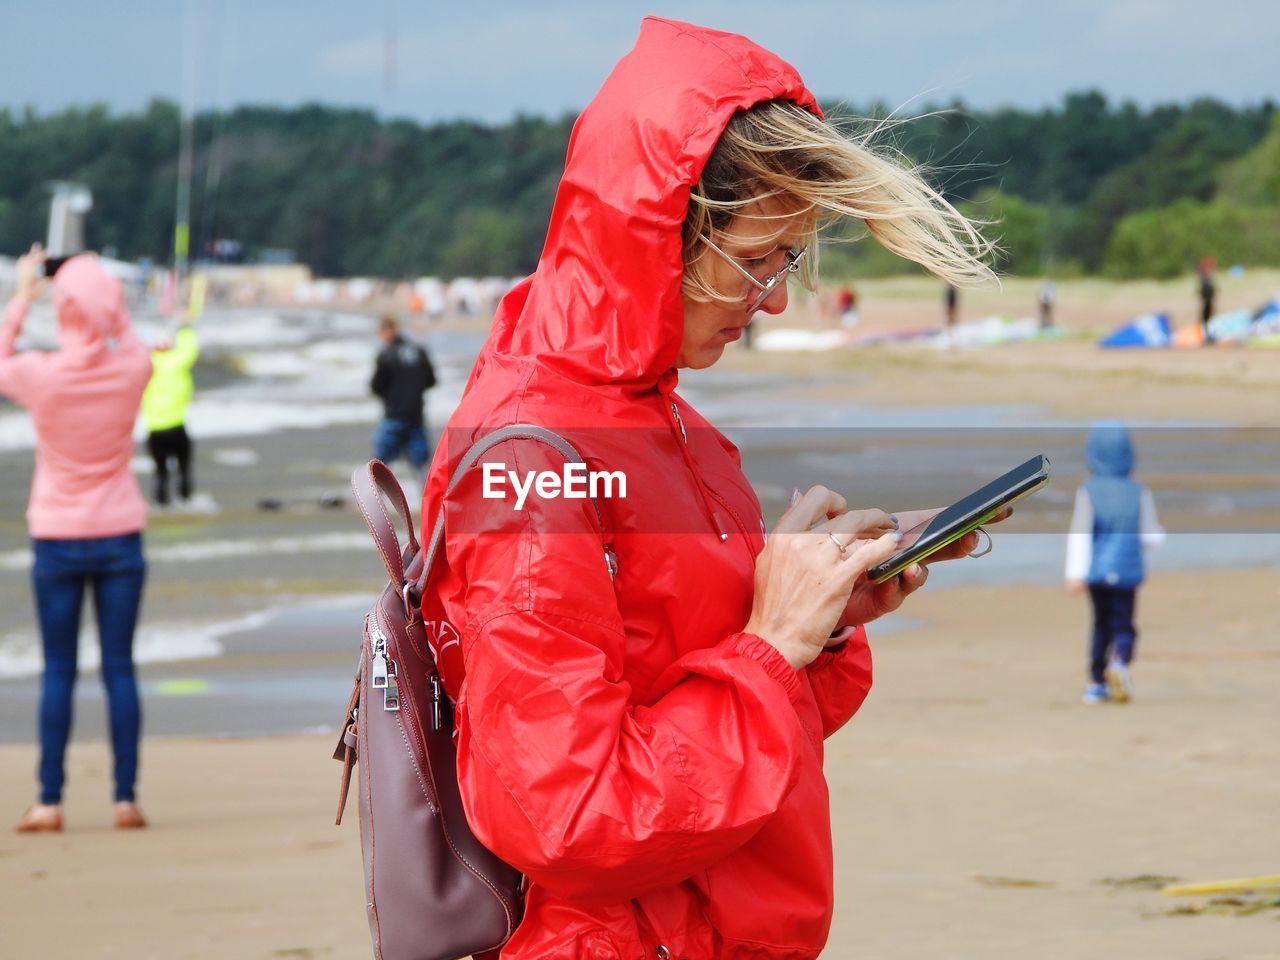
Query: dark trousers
[[396, 437], [115, 570], [1114, 635], [166, 445]]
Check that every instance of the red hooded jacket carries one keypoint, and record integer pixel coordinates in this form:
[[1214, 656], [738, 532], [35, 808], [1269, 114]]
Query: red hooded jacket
[[655, 772]]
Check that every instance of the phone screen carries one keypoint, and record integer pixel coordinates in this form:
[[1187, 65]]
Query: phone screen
[[930, 536]]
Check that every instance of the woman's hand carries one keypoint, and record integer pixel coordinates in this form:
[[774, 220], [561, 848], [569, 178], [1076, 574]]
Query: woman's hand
[[870, 600], [28, 272], [804, 577]]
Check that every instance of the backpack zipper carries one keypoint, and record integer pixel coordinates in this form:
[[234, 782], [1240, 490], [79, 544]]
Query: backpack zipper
[[384, 671]]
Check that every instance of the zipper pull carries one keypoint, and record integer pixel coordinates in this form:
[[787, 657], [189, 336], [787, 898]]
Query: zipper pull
[[391, 697], [379, 658], [437, 694], [383, 670]]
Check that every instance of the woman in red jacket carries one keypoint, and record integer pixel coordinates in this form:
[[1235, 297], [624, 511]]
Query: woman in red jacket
[[642, 698]]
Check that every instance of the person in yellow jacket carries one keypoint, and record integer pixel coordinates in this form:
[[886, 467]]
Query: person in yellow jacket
[[164, 410]]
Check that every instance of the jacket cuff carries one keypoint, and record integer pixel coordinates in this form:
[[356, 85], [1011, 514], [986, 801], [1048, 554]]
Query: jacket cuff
[[837, 645], [775, 664]]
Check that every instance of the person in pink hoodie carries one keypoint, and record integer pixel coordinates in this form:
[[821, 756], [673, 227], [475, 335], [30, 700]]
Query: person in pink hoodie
[[86, 512]]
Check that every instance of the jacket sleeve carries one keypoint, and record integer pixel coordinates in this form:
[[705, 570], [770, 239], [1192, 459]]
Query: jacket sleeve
[[1150, 533], [20, 373], [380, 375], [186, 348], [1080, 538], [841, 679], [563, 773]]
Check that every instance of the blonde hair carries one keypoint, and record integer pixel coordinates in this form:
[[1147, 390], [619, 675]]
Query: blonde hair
[[777, 149]]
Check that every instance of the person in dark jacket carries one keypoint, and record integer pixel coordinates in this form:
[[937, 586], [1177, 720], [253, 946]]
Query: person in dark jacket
[[401, 379], [1114, 520]]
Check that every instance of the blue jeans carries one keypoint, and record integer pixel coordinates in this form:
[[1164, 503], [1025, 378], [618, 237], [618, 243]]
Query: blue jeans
[[394, 437], [115, 569], [1114, 635]]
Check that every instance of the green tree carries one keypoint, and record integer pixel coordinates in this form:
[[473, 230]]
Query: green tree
[[1170, 240], [1255, 177]]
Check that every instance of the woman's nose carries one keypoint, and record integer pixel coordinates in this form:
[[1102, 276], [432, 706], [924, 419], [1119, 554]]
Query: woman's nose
[[776, 301]]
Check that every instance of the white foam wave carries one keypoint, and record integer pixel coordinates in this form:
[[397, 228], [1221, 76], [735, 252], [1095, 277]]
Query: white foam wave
[[237, 457], [20, 654], [196, 550]]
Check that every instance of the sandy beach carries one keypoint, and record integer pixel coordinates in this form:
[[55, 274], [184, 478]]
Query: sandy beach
[[981, 811]]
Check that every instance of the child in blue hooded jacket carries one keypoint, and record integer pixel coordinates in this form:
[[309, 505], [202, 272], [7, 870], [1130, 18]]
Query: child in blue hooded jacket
[[1114, 521]]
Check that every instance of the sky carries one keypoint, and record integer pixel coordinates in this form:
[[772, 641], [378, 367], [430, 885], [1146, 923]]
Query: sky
[[491, 60]]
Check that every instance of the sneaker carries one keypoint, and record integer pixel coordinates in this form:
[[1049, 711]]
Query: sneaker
[[1095, 693], [1119, 683]]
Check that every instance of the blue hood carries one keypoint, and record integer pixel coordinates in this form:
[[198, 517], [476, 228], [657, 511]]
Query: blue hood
[[1108, 451]]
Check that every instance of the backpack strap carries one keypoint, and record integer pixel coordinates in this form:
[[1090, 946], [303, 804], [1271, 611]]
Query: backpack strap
[[374, 481], [519, 431], [369, 484]]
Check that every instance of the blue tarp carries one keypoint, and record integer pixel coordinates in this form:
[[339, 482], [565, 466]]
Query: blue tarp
[[1149, 330]]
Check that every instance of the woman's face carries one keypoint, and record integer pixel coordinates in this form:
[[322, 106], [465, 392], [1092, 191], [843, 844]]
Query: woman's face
[[758, 239]]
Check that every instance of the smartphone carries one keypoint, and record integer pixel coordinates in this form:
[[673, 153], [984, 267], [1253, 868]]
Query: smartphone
[[930, 536], [52, 265]]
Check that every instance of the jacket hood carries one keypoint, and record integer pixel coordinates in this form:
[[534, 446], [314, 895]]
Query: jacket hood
[[90, 304], [1108, 450], [604, 304]]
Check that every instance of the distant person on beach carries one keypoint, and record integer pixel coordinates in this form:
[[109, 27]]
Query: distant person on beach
[[1046, 304], [951, 304], [1114, 521], [847, 306], [645, 691], [1207, 293], [86, 513], [164, 411], [401, 378]]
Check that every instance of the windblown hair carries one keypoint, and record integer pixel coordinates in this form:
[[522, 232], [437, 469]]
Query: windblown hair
[[778, 149]]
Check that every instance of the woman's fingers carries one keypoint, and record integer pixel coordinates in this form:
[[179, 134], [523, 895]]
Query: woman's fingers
[[816, 503], [859, 525], [954, 551], [913, 578], [867, 554]]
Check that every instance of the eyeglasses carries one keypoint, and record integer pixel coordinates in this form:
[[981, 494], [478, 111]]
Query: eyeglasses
[[795, 259]]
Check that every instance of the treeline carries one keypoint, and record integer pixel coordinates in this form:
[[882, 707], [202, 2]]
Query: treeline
[[1086, 187]]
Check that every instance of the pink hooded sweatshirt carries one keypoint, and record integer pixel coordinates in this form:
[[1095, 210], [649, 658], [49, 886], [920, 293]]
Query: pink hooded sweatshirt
[[84, 399]]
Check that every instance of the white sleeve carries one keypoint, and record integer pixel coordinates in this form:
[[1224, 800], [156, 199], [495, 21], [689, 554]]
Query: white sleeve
[[1150, 533], [1080, 538]]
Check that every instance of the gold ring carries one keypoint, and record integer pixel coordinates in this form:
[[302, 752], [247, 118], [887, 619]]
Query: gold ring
[[836, 540]]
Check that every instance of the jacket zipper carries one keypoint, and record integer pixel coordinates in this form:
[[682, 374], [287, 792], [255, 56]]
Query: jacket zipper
[[697, 477]]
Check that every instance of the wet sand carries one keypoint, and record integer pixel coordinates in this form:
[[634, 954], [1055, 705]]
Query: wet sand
[[980, 810], [1071, 377]]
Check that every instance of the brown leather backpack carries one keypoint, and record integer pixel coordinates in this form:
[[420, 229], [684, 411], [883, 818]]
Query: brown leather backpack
[[432, 890]]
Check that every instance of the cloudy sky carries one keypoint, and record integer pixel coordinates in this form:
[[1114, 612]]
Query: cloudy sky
[[489, 59]]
